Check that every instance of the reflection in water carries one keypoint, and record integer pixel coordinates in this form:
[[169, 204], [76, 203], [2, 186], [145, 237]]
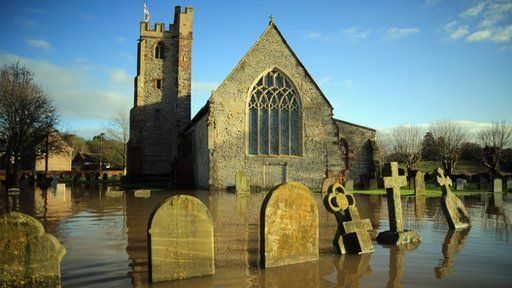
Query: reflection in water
[[106, 240], [419, 207], [453, 242], [396, 263], [351, 268]]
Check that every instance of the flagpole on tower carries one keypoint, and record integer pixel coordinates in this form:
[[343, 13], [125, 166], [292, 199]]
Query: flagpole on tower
[[146, 12]]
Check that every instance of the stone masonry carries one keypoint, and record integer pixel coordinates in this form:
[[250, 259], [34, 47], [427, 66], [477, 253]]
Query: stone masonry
[[162, 96]]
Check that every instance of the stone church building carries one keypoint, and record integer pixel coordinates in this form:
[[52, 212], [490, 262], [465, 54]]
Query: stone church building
[[268, 118]]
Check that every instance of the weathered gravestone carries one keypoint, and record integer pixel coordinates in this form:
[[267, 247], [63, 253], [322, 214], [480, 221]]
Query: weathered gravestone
[[460, 184], [180, 237], [29, 257], [60, 188], [114, 194], [289, 226], [326, 184], [454, 210], [142, 193], [497, 185], [349, 185], [352, 234], [396, 234], [419, 183], [452, 244], [242, 183]]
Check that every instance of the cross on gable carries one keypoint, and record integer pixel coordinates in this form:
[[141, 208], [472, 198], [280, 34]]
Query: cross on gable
[[443, 180], [393, 179]]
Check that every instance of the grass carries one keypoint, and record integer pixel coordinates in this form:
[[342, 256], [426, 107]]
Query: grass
[[462, 167]]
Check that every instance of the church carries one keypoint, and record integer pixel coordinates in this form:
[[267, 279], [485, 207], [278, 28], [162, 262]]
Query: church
[[268, 118]]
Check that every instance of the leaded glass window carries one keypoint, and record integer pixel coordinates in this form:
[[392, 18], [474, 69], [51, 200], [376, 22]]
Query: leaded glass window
[[274, 115]]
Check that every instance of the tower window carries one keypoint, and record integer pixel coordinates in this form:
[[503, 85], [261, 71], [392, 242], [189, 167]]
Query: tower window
[[158, 84], [159, 50]]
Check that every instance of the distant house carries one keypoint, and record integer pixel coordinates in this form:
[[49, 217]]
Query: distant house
[[59, 156], [88, 161]]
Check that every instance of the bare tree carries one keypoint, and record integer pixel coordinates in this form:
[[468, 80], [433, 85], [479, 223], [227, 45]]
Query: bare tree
[[449, 136], [385, 146], [406, 145], [118, 129], [27, 116], [493, 140]]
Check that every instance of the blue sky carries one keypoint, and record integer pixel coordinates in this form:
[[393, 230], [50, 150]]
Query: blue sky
[[380, 63]]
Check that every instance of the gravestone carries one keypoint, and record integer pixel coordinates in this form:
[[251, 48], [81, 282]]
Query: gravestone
[[349, 185], [326, 184], [454, 210], [497, 185], [180, 237], [509, 184], [396, 234], [142, 193], [352, 234], [114, 194], [420, 204], [419, 183], [29, 257], [289, 226], [373, 184], [460, 184], [60, 188], [242, 183]]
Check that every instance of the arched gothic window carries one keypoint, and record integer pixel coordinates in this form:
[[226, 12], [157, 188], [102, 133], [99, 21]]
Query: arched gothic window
[[274, 116], [159, 50]]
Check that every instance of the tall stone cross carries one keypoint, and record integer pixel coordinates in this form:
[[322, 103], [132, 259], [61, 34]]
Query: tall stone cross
[[392, 183], [444, 181], [454, 209]]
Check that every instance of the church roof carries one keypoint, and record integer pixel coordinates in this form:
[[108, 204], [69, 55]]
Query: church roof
[[271, 26]]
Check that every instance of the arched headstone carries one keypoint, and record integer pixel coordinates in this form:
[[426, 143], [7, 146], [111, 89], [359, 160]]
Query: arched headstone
[[180, 237], [289, 226], [29, 257]]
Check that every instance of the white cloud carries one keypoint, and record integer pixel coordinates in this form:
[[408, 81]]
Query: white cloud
[[495, 13], [355, 34], [119, 76], [474, 11], [70, 88], [120, 39], [397, 33], [319, 36], [472, 126], [498, 35], [40, 44], [459, 33], [204, 86]]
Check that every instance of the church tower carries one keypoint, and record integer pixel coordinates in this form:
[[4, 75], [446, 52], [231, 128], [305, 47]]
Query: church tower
[[162, 96]]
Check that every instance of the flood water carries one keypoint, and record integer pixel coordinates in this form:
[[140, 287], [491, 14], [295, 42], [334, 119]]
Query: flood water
[[106, 244]]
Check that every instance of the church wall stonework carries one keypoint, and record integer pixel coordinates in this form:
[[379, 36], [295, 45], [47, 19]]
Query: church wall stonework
[[360, 150], [227, 123], [201, 157]]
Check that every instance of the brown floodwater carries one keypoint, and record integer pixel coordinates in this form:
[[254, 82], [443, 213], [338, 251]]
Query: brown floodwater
[[106, 244]]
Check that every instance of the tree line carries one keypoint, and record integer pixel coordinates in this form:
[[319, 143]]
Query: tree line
[[448, 142]]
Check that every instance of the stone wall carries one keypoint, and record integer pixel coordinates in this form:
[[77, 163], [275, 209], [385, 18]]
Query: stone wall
[[227, 122], [56, 162], [360, 150], [200, 155]]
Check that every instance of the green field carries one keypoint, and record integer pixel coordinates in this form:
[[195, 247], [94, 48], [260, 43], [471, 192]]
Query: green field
[[462, 167]]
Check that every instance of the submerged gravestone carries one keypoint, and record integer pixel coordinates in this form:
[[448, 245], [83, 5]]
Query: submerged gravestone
[[460, 184], [114, 194], [497, 185], [419, 183], [29, 257], [396, 234], [242, 183], [454, 210], [289, 226], [180, 237], [142, 193], [349, 185], [352, 234], [60, 188]]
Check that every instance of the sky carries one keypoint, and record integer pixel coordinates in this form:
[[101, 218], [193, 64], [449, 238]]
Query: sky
[[380, 63]]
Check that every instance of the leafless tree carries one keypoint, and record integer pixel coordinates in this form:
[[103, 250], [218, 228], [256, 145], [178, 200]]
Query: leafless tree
[[27, 116], [406, 143], [493, 140], [449, 136], [385, 146], [118, 129]]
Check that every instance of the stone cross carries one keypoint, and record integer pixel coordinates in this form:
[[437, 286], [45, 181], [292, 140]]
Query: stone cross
[[392, 183], [352, 234], [454, 210]]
